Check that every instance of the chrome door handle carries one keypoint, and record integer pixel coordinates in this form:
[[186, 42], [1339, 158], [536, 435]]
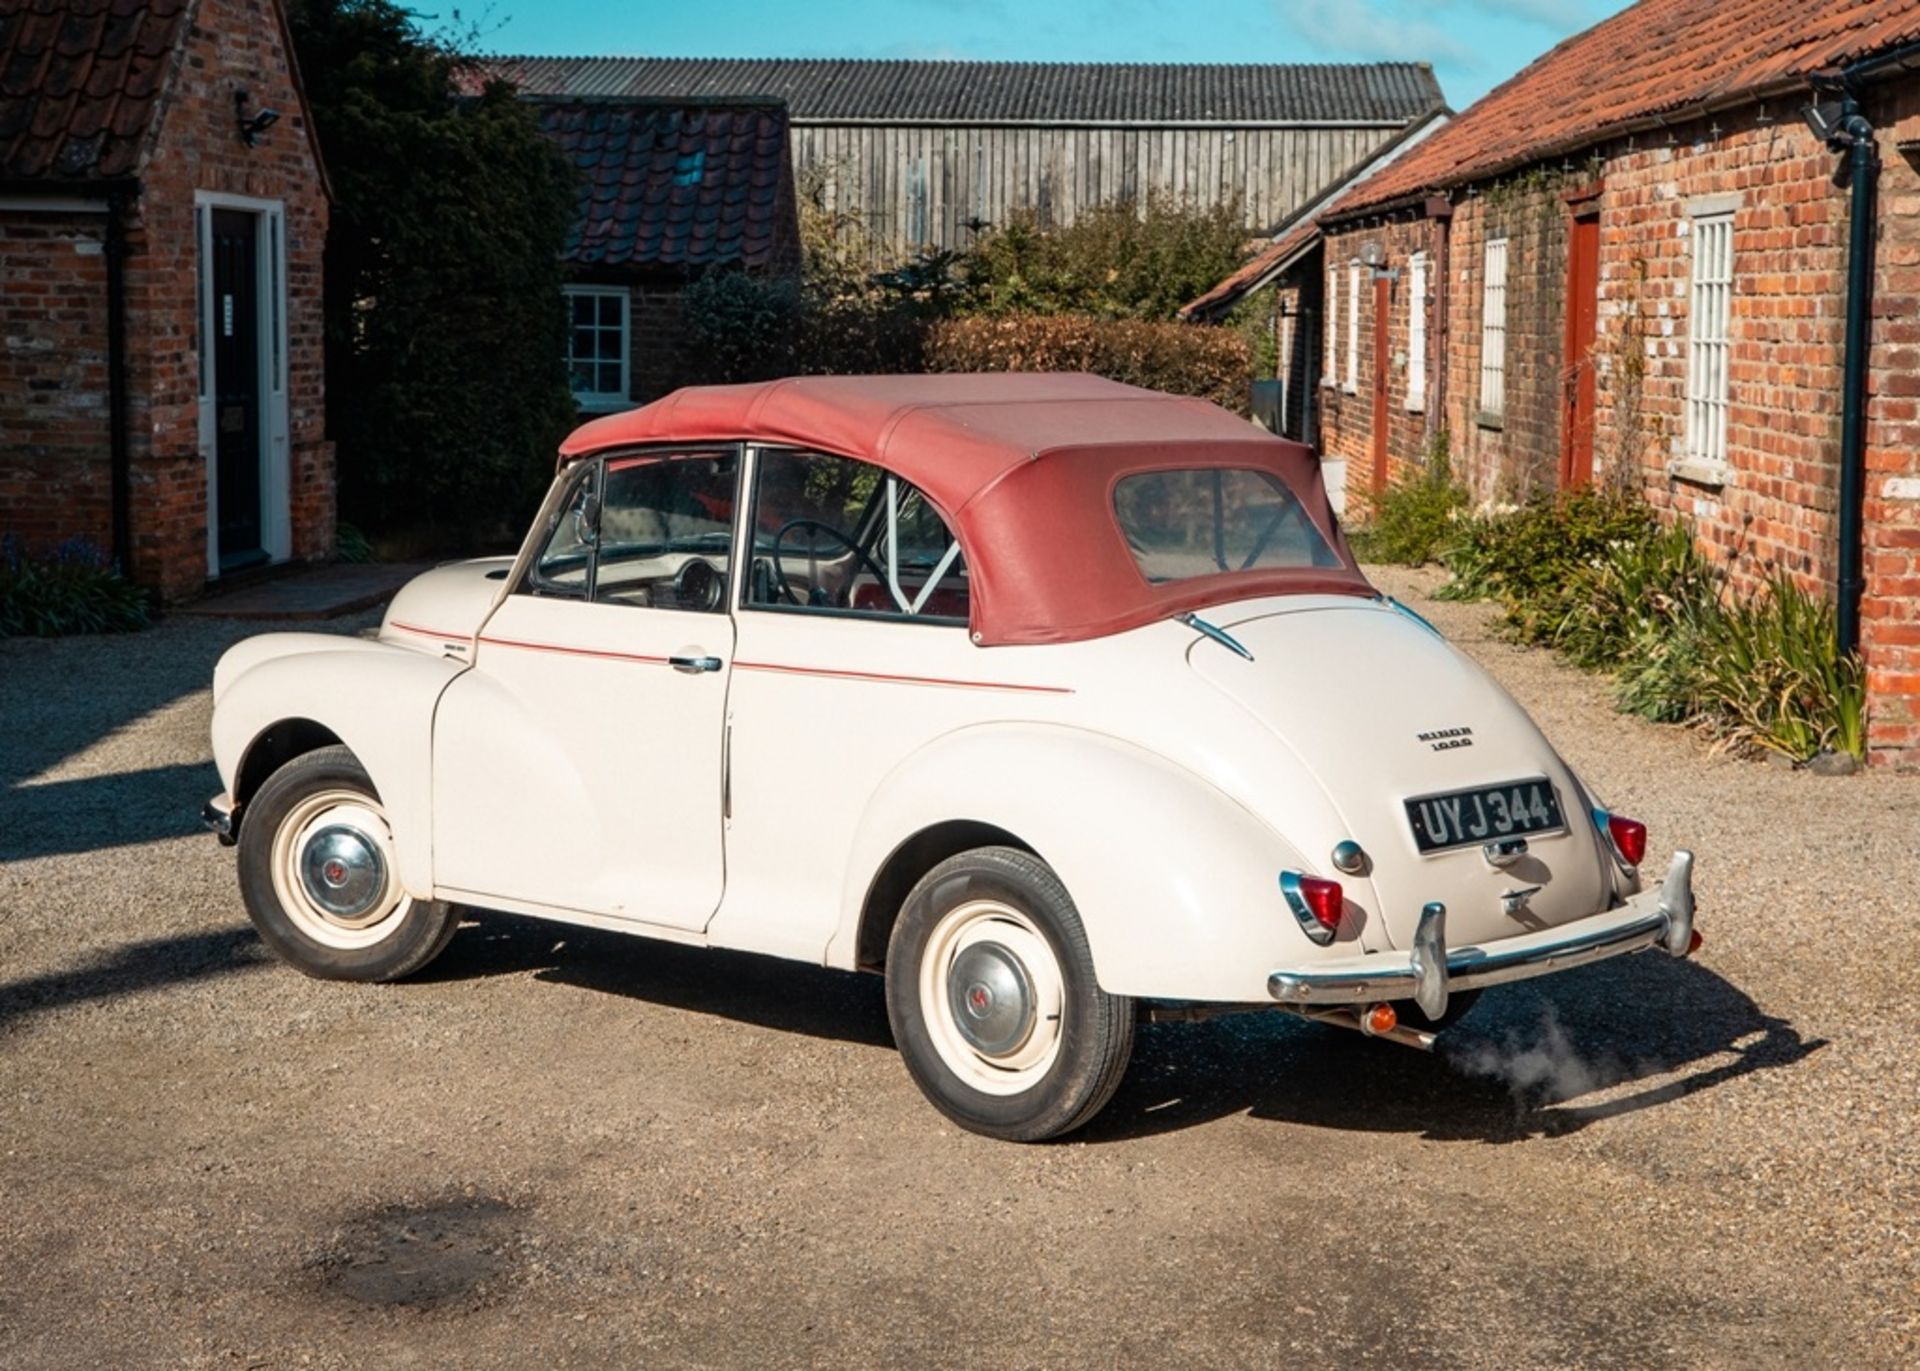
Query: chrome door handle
[[694, 665]]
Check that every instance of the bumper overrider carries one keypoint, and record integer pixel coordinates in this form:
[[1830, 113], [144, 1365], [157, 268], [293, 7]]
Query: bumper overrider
[[1428, 972]]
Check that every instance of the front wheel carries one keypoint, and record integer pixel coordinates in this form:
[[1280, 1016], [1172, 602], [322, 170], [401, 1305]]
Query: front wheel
[[993, 1000], [317, 873]]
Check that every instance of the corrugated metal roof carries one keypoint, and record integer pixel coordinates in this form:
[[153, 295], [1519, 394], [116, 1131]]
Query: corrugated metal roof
[[1659, 57], [80, 81], [832, 90], [666, 185]]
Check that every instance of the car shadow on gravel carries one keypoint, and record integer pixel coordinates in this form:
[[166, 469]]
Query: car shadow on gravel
[[134, 967], [765, 991], [1545, 1058], [87, 813]]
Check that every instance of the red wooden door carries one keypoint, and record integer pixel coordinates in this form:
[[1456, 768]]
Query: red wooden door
[[1583, 318], [1382, 301]]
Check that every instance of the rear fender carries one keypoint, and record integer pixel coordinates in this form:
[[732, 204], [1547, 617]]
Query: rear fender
[[1176, 883], [378, 700]]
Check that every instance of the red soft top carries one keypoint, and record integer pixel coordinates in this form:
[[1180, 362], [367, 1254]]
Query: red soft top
[[1023, 466]]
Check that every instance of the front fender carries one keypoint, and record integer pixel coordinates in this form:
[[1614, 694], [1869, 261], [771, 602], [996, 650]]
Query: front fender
[[376, 698], [1177, 884]]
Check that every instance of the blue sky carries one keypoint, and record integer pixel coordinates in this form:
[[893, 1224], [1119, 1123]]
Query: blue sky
[[1473, 44]]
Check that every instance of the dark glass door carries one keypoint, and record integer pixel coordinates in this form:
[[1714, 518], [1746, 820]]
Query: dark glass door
[[236, 378]]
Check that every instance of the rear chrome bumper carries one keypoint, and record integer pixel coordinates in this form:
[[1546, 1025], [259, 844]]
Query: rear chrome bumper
[[1430, 970], [218, 815]]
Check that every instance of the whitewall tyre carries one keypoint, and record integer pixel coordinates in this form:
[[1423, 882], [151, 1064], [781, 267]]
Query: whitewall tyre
[[993, 1000], [318, 876]]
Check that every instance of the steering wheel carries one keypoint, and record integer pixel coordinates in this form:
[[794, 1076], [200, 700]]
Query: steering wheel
[[698, 586], [780, 575]]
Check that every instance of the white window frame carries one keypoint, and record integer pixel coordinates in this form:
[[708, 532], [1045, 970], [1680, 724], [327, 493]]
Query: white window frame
[[1331, 377], [270, 266], [1493, 330], [1709, 316], [596, 400], [1355, 269], [1417, 333]]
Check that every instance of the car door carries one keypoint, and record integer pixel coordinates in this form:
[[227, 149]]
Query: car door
[[578, 766]]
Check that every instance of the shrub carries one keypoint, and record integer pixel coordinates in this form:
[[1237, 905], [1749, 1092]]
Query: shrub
[[1123, 260], [1596, 576], [1534, 559], [446, 385], [1418, 517], [72, 591], [756, 328], [1176, 358]]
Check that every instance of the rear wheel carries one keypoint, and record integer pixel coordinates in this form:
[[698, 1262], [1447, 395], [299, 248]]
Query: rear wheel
[[318, 876], [994, 1004]]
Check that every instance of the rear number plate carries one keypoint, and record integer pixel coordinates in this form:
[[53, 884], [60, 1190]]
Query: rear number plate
[[1467, 817]]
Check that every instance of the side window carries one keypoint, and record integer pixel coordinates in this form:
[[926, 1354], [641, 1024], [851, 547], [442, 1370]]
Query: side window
[[666, 530], [832, 534], [650, 529]]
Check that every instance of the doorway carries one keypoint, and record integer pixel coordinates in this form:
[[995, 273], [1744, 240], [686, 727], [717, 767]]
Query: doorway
[[243, 411], [1583, 319], [236, 398]]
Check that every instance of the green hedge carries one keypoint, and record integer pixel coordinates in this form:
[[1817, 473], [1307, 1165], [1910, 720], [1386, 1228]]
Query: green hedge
[[1178, 358]]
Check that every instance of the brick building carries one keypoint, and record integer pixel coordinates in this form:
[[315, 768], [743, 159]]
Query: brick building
[[668, 190], [1632, 262], [162, 215]]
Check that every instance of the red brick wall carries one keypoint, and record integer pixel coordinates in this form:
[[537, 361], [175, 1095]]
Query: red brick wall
[[1775, 506], [234, 44], [54, 463], [657, 341], [54, 479], [1890, 609]]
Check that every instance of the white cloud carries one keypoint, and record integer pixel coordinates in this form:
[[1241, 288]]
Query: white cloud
[[1370, 30]]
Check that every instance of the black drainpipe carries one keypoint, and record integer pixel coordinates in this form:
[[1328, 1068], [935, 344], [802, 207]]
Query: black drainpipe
[[118, 456], [1863, 156], [1853, 133]]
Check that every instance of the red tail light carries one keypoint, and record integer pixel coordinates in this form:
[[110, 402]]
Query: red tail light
[[1629, 837], [1324, 899]]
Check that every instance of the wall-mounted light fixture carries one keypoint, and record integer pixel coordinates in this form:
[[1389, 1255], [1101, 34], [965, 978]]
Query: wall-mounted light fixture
[[255, 124]]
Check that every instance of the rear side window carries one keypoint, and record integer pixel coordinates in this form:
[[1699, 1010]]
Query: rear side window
[[1201, 521]]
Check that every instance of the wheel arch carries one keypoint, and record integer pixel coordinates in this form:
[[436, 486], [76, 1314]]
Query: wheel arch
[[272, 748], [1175, 882], [902, 870]]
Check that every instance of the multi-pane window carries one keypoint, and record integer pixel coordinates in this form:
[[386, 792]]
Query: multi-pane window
[[1354, 272], [1332, 376], [1493, 331], [1709, 308], [597, 345], [1417, 332]]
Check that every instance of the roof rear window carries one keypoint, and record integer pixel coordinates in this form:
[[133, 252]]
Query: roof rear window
[[1201, 521]]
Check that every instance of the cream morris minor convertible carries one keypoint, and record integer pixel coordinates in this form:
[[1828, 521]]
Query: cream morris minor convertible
[[1061, 704]]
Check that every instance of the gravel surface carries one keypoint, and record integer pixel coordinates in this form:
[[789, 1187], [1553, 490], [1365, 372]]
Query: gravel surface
[[573, 1149]]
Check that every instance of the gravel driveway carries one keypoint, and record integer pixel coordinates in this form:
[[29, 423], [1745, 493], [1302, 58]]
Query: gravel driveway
[[566, 1148]]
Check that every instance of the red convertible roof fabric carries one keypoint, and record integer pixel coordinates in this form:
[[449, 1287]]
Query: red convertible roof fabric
[[1023, 466]]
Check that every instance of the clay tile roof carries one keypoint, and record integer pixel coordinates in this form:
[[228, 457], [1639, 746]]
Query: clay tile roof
[[1655, 58], [677, 185], [80, 82], [830, 90]]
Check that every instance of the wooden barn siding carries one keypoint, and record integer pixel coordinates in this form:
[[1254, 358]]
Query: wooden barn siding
[[879, 172]]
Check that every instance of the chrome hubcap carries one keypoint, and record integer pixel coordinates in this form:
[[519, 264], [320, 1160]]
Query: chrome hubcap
[[343, 874], [991, 998]]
